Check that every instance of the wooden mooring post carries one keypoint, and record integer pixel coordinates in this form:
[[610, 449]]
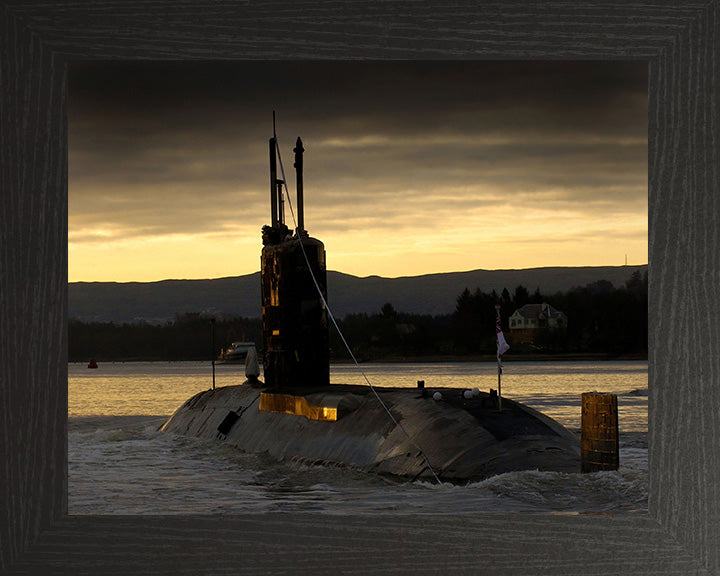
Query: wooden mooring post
[[600, 443]]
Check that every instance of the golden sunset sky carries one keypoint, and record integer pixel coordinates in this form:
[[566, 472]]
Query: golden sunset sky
[[410, 167]]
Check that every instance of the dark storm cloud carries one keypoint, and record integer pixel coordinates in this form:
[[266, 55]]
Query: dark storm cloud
[[357, 97], [161, 147]]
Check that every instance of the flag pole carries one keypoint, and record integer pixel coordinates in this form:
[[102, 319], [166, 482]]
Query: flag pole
[[212, 345], [499, 386], [502, 347], [497, 316]]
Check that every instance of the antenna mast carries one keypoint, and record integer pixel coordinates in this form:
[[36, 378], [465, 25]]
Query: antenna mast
[[277, 208], [299, 171]]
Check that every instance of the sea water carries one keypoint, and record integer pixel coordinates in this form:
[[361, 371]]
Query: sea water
[[120, 463]]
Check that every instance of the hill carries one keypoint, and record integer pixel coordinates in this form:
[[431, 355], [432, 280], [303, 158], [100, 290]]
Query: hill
[[159, 302]]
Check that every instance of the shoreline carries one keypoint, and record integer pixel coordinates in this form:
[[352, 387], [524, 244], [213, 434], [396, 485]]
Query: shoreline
[[438, 358], [430, 359]]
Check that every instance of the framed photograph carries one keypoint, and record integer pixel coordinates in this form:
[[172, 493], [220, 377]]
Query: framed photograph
[[422, 178], [678, 535]]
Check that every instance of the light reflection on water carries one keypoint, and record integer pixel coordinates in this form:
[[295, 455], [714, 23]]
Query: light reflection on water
[[158, 388], [120, 464]]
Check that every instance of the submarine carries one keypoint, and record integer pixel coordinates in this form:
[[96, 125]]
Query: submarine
[[446, 434]]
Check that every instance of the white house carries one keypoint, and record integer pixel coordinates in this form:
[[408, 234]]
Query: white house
[[524, 321]]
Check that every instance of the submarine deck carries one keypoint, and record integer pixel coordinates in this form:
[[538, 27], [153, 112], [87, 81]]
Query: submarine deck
[[462, 438]]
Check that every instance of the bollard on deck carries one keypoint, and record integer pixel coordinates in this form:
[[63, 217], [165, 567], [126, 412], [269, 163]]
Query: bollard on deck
[[600, 443]]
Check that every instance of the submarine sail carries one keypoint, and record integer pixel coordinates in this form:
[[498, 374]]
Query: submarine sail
[[293, 276]]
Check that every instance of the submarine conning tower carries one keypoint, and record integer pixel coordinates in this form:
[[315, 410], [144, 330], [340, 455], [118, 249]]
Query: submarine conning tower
[[295, 330]]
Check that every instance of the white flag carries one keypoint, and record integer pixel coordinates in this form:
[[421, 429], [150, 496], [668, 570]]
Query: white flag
[[502, 345]]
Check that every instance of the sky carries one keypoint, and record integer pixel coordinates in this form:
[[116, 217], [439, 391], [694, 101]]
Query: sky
[[410, 167]]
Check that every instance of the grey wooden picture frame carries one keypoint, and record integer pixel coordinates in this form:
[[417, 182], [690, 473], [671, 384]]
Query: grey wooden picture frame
[[680, 534]]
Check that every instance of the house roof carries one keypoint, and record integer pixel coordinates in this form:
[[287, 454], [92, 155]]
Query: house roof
[[536, 310]]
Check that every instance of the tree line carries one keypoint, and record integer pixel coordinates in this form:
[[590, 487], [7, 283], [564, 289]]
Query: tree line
[[189, 336], [602, 319]]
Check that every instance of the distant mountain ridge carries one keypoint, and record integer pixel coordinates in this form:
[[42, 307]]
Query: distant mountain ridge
[[159, 302]]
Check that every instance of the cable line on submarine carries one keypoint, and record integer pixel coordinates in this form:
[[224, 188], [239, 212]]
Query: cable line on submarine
[[298, 233]]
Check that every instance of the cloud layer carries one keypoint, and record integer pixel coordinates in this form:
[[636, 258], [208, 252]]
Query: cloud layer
[[409, 167]]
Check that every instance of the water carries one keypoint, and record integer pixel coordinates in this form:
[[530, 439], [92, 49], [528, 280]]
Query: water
[[119, 463]]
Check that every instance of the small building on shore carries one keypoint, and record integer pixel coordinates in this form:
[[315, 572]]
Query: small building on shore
[[526, 321]]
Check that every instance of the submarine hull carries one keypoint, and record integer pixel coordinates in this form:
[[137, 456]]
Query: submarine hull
[[463, 439], [298, 414]]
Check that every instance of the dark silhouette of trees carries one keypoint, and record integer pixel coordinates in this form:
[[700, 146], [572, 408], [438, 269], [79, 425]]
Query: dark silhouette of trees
[[602, 319], [473, 312], [188, 337], [390, 334], [521, 297]]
